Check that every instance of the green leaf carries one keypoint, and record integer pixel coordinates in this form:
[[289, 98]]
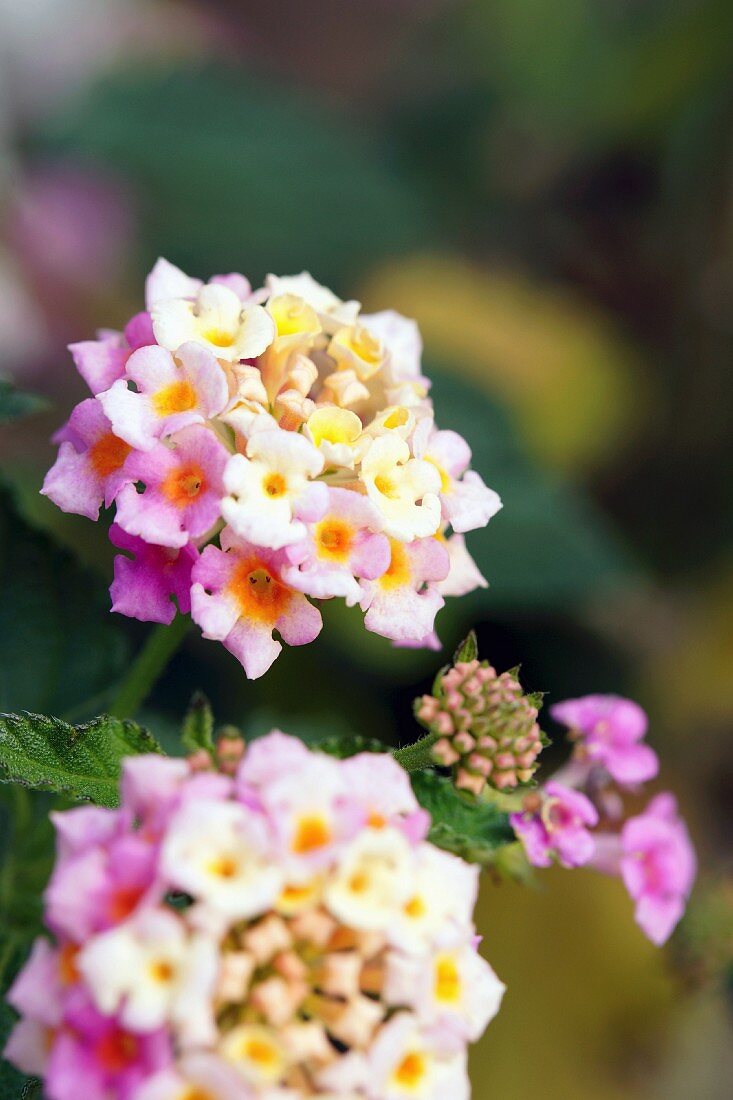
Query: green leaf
[[344, 745], [82, 762], [198, 725], [235, 140], [15, 404], [467, 650], [473, 830], [60, 648]]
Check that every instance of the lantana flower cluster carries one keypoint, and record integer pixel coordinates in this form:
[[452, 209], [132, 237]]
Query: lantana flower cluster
[[283, 930], [578, 817], [265, 448]]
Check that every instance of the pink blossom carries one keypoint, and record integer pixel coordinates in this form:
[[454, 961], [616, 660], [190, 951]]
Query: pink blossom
[[183, 488], [403, 602], [168, 281], [94, 1050], [93, 464], [100, 887], [466, 502], [171, 393], [341, 547], [37, 991], [146, 583], [658, 866], [100, 362], [557, 826], [239, 597], [139, 331], [610, 730]]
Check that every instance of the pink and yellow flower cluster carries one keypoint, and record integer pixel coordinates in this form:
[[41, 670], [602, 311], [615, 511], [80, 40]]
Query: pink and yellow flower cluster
[[282, 931], [578, 816], [263, 447]]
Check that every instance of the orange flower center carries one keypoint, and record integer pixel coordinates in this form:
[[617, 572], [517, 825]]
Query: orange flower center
[[177, 398], [334, 538], [67, 964], [108, 454], [259, 596], [312, 833], [275, 485], [116, 1050], [123, 901], [411, 1070], [181, 486]]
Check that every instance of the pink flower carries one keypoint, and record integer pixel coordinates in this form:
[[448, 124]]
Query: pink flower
[[610, 729], [466, 502], [93, 464], [658, 866], [403, 602], [183, 488], [146, 584], [341, 547], [557, 826], [100, 886], [100, 362], [95, 1051], [239, 597], [171, 393]]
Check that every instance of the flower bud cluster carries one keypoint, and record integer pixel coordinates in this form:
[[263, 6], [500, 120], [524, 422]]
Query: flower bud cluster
[[651, 851], [265, 448], [487, 727], [279, 932]]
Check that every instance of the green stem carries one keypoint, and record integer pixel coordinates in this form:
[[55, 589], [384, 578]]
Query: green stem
[[418, 755], [150, 662]]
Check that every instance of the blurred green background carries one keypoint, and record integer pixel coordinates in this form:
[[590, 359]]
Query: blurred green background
[[548, 189]]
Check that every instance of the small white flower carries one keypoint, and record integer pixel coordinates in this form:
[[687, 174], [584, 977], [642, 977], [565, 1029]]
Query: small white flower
[[270, 491], [217, 852], [332, 312], [373, 881], [150, 971], [404, 489], [216, 319]]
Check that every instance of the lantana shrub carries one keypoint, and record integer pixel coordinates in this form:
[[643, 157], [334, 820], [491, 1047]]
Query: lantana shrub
[[267, 920], [263, 449]]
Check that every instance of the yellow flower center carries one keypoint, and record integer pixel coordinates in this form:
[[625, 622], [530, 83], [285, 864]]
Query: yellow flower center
[[219, 337], [398, 573], [447, 981]]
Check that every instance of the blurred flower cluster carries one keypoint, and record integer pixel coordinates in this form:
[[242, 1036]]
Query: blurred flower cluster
[[293, 431], [280, 930]]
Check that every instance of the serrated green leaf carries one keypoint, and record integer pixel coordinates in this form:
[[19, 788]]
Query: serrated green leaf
[[15, 404], [473, 830], [345, 745], [468, 649], [82, 762], [198, 725]]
